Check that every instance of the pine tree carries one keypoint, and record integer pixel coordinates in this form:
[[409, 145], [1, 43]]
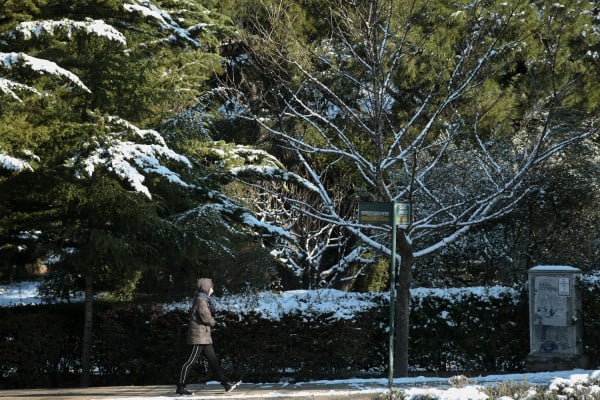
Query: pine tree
[[81, 183]]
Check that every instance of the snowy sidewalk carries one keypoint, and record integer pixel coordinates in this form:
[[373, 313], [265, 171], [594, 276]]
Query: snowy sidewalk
[[336, 391], [355, 389]]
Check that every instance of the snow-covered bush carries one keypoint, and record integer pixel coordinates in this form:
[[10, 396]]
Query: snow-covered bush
[[267, 337]]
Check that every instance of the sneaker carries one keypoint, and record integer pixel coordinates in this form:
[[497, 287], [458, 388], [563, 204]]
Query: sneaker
[[181, 390], [229, 386]]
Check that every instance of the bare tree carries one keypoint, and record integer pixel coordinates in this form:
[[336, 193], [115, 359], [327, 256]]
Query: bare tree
[[448, 107]]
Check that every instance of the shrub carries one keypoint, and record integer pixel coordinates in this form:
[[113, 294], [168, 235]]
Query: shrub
[[452, 331]]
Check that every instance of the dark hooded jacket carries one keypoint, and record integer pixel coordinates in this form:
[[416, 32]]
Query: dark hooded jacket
[[201, 314]]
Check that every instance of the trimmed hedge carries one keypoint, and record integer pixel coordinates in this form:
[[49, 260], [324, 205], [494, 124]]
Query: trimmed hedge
[[462, 330], [40, 346], [456, 331]]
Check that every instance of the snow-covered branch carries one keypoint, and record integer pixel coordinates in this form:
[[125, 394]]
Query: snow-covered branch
[[41, 66], [89, 26], [132, 161], [9, 87], [164, 19], [400, 114], [13, 164]]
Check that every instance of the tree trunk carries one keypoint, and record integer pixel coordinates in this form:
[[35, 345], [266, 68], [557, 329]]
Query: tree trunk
[[402, 322], [86, 344]]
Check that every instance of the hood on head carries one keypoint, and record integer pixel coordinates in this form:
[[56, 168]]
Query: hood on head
[[204, 285]]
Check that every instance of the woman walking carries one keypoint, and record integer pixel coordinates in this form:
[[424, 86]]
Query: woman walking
[[199, 336]]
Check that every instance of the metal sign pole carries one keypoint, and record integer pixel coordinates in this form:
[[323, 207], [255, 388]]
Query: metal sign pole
[[392, 300], [378, 213]]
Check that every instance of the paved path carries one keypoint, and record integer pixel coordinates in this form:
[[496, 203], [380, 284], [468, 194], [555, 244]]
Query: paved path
[[210, 391]]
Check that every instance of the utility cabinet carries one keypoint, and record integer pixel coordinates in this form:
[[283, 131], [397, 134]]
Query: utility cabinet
[[555, 324]]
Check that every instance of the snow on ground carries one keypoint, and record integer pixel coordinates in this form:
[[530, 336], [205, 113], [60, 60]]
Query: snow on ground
[[418, 388], [343, 305]]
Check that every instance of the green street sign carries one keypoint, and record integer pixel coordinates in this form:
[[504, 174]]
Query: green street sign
[[383, 213], [375, 213]]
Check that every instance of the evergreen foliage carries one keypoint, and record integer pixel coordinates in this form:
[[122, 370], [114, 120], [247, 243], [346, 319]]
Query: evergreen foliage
[[69, 129], [84, 188]]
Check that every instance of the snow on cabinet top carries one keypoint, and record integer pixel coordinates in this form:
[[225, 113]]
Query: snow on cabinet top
[[554, 268]]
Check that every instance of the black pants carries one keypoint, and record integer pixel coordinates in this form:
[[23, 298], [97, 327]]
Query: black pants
[[211, 357]]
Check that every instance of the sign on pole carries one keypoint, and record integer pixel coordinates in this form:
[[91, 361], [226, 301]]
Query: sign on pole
[[375, 213], [383, 213], [394, 214], [403, 217]]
